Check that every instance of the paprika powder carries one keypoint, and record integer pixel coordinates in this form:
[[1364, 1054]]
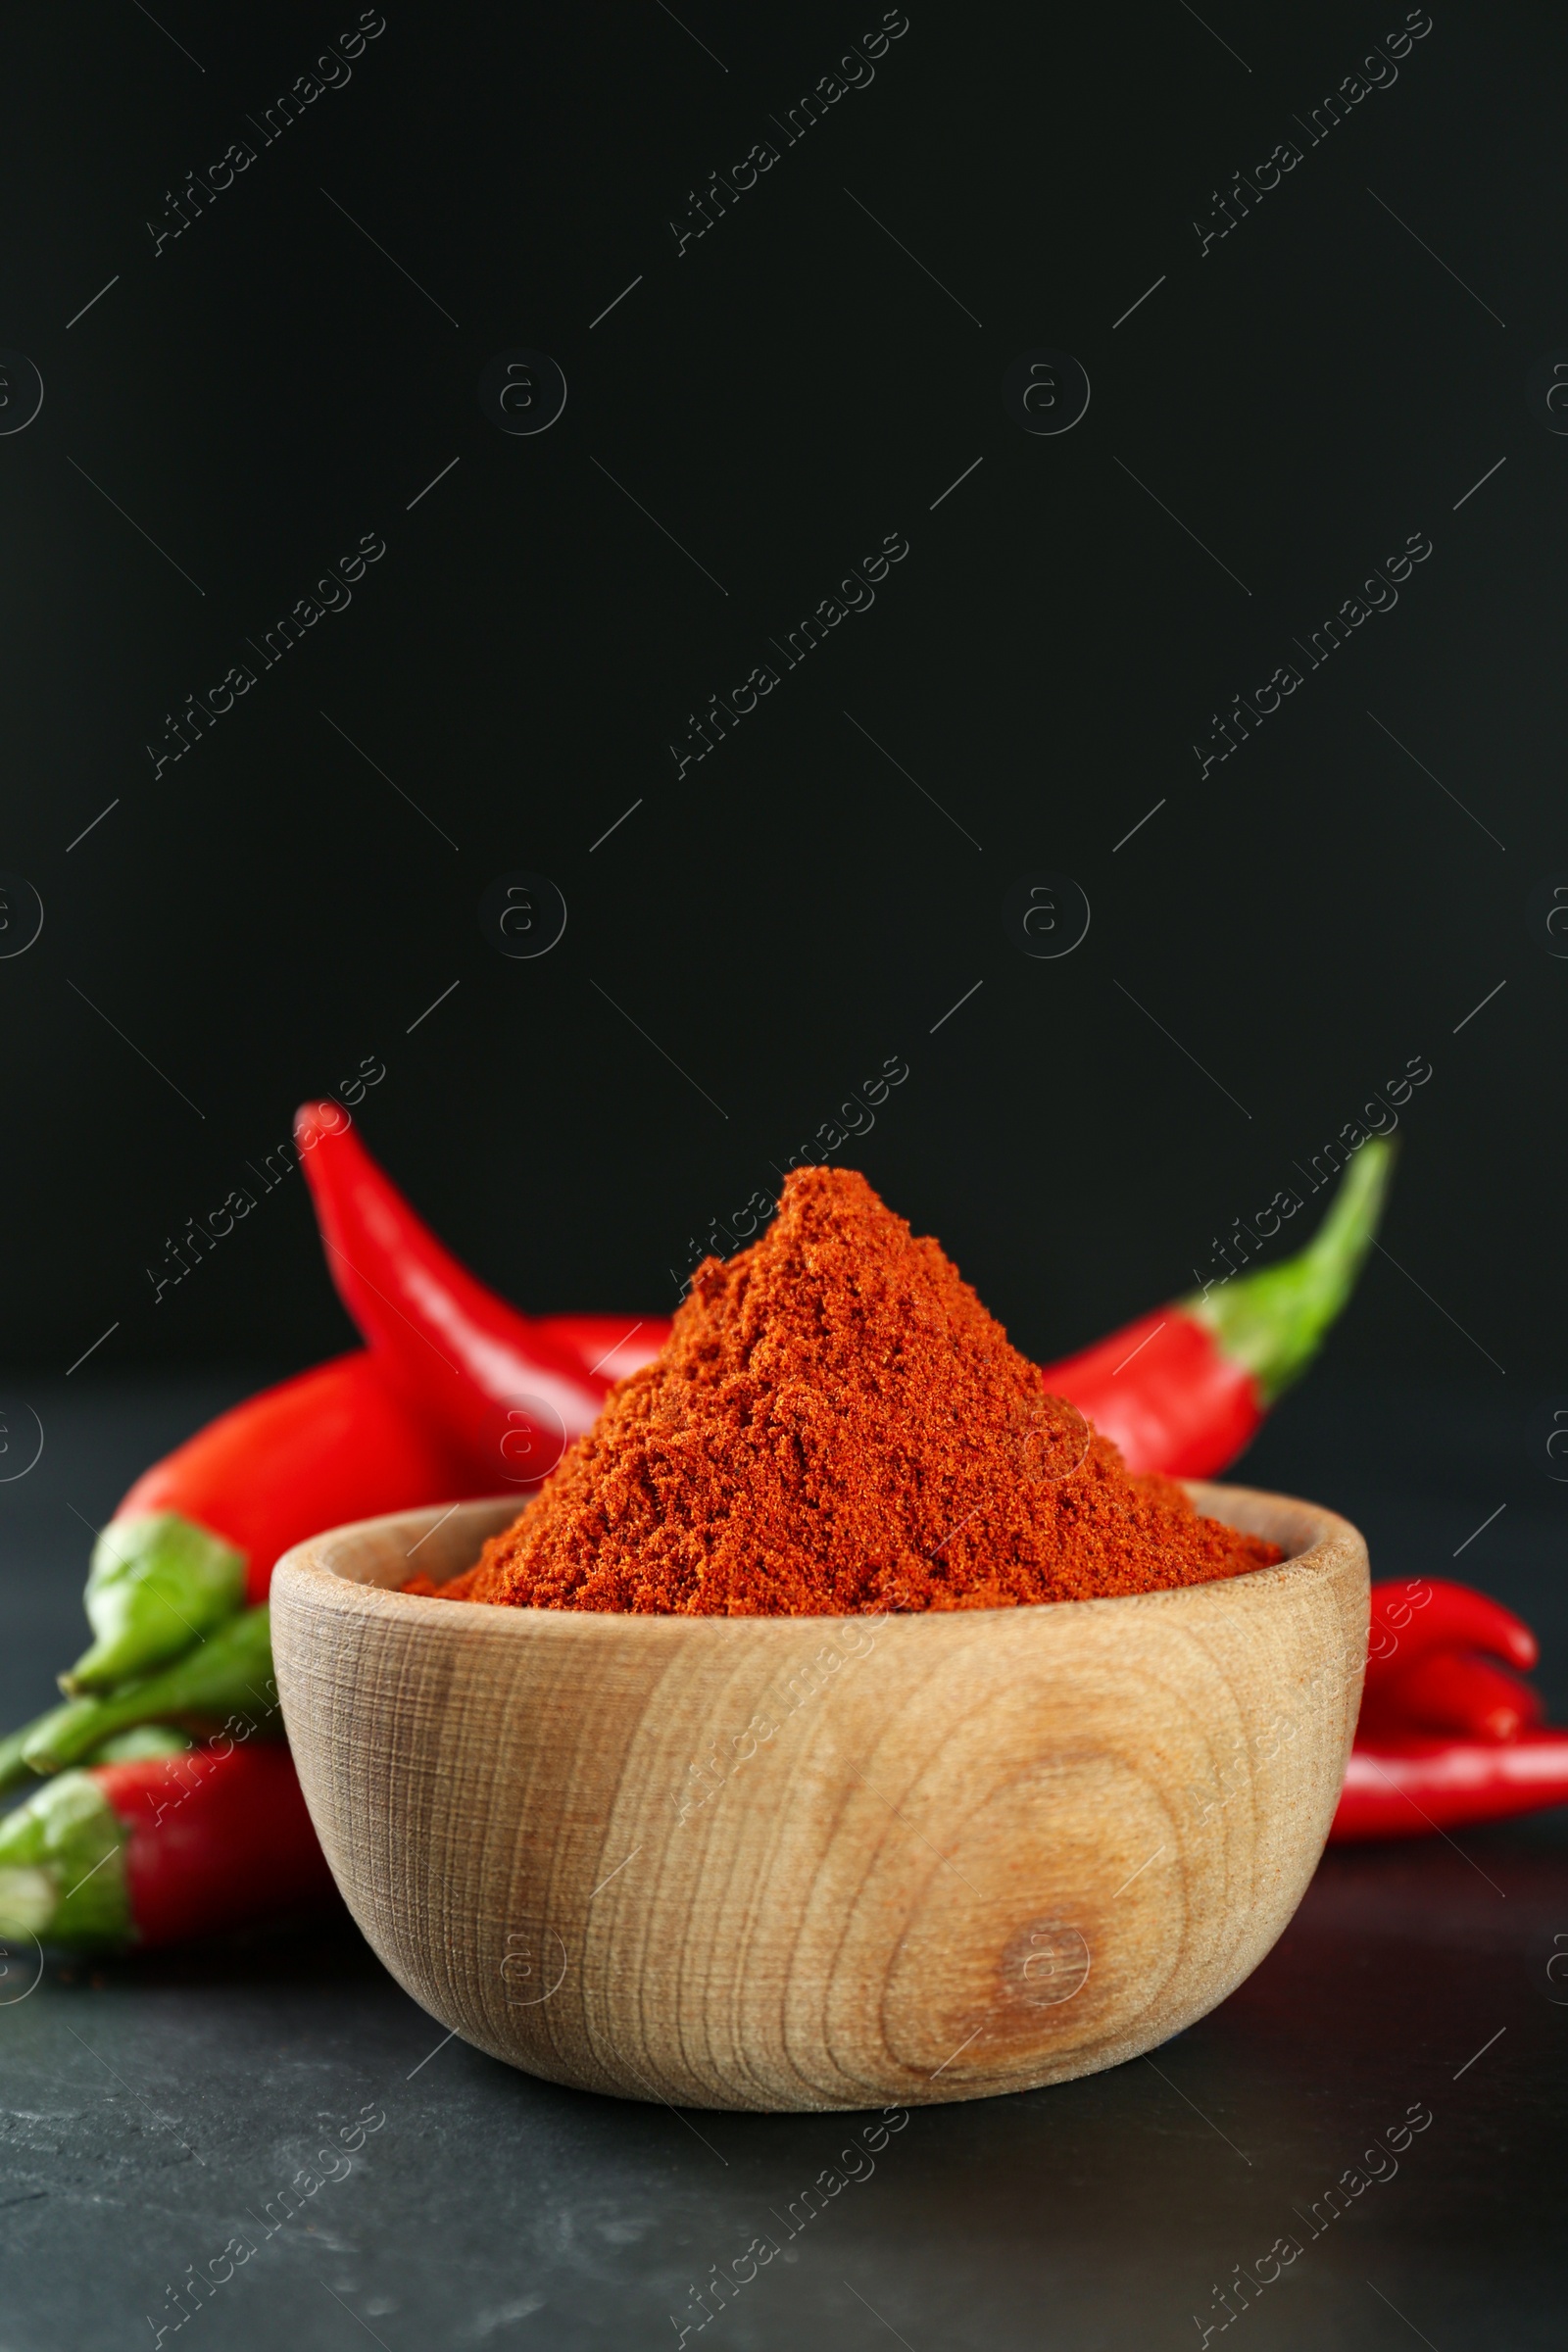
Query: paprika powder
[[837, 1425]]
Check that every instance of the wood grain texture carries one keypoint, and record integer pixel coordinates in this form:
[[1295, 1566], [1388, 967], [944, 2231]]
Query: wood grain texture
[[827, 1862]]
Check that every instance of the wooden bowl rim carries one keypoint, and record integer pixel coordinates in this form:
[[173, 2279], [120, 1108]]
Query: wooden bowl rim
[[1331, 1536]]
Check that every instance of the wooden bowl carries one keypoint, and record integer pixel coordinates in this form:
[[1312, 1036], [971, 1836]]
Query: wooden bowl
[[820, 1862]]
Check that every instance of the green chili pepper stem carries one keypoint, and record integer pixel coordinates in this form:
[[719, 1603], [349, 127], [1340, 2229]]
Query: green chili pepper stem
[[228, 1675], [61, 1871], [1273, 1320], [156, 1584]]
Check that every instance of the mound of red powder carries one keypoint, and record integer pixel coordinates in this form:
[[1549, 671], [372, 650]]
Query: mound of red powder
[[838, 1425]]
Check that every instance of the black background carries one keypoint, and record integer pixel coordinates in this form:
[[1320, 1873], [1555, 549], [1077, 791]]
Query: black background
[[792, 387], [266, 914]]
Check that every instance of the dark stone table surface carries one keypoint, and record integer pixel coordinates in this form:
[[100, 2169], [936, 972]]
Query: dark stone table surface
[[152, 2110]]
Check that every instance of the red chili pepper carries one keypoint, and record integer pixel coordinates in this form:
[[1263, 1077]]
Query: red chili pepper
[[1185, 1388], [1415, 1787], [158, 1851], [328, 1446], [1417, 1616], [1425, 1675], [503, 1389], [1453, 1691]]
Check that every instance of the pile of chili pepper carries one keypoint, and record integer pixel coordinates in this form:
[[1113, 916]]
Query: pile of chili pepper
[[169, 1806]]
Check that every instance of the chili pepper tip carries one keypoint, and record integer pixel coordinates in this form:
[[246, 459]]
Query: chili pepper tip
[[314, 1120]]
